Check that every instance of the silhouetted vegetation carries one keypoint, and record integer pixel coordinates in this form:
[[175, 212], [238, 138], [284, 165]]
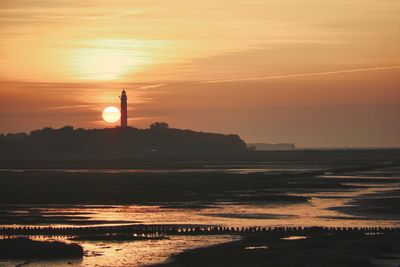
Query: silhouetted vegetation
[[157, 141], [159, 125], [24, 248]]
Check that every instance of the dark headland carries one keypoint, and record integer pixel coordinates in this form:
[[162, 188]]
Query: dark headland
[[157, 141], [157, 145]]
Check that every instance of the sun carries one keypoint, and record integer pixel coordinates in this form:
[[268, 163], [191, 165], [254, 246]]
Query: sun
[[111, 114]]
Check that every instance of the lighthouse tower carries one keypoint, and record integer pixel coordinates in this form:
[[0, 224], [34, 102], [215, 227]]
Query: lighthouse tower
[[124, 109]]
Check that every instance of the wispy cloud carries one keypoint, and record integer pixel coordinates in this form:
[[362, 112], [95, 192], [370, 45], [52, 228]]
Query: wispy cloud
[[151, 86], [72, 107], [49, 15], [304, 74]]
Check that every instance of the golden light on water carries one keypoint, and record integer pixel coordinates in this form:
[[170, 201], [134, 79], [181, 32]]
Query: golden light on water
[[111, 114]]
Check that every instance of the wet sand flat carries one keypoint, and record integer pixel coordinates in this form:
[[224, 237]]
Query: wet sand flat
[[246, 197], [315, 249]]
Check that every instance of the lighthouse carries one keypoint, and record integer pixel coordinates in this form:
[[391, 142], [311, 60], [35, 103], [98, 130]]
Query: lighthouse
[[124, 109]]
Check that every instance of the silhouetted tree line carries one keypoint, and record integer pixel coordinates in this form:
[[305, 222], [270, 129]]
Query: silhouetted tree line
[[158, 140]]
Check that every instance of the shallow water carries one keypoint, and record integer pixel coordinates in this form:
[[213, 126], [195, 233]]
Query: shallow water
[[137, 253], [316, 212], [294, 237]]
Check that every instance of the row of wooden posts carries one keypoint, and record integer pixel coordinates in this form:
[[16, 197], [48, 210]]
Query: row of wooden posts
[[175, 229]]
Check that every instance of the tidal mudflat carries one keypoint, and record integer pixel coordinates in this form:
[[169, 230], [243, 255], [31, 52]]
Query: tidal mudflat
[[260, 195], [318, 248]]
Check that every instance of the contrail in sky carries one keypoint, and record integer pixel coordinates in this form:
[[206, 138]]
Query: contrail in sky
[[303, 74]]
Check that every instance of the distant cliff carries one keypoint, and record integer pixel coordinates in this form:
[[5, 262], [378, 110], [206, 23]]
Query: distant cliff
[[157, 141], [268, 147]]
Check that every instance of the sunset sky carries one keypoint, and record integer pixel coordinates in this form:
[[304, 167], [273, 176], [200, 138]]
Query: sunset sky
[[317, 73]]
